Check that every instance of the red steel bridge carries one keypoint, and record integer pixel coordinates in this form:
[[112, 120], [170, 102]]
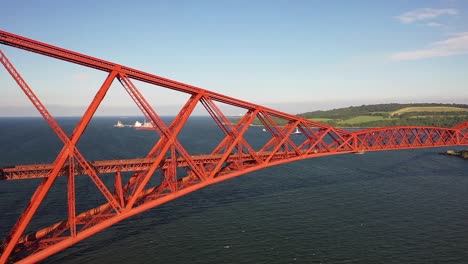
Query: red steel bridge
[[178, 171]]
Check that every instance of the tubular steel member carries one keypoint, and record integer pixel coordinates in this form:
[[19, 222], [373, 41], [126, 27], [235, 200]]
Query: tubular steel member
[[233, 156]]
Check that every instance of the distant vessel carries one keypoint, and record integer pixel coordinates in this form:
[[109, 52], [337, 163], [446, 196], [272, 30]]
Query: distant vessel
[[297, 131], [138, 125], [144, 126], [264, 130], [119, 124]]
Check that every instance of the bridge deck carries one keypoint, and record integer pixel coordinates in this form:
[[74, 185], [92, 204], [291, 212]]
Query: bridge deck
[[31, 171]]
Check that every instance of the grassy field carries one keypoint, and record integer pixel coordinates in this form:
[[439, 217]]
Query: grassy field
[[351, 121], [429, 109], [320, 119], [362, 119]]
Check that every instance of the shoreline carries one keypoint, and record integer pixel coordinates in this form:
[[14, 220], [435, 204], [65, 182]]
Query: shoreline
[[461, 153]]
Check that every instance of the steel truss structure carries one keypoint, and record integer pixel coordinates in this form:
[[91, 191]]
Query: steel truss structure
[[233, 156]]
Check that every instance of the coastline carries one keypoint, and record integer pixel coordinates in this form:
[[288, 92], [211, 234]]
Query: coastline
[[461, 153]]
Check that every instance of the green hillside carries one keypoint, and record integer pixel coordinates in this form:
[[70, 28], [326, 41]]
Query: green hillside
[[445, 115]]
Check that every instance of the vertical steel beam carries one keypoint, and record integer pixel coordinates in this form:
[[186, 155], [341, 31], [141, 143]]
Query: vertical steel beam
[[71, 196], [118, 191]]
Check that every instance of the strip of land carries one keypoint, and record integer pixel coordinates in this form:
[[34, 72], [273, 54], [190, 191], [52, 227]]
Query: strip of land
[[443, 115], [462, 153]]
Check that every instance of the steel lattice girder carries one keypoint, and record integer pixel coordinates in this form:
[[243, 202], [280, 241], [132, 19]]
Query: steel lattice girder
[[233, 156]]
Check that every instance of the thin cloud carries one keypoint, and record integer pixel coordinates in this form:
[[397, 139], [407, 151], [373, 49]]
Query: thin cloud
[[433, 24], [424, 14], [457, 45]]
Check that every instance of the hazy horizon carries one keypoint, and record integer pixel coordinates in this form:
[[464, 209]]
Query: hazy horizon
[[172, 110]]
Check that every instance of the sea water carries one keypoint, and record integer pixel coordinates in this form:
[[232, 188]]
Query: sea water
[[407, 206]]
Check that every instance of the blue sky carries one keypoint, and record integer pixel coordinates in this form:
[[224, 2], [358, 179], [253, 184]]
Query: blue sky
[[296, 56]]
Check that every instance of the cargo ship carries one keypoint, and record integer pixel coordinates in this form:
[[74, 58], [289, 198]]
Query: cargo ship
[[143, 126], [120, 124]]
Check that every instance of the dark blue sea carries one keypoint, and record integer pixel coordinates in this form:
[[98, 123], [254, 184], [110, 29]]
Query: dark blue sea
[[408, 206]]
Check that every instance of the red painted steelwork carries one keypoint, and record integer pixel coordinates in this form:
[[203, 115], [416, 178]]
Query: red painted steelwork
[[232, 157]]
